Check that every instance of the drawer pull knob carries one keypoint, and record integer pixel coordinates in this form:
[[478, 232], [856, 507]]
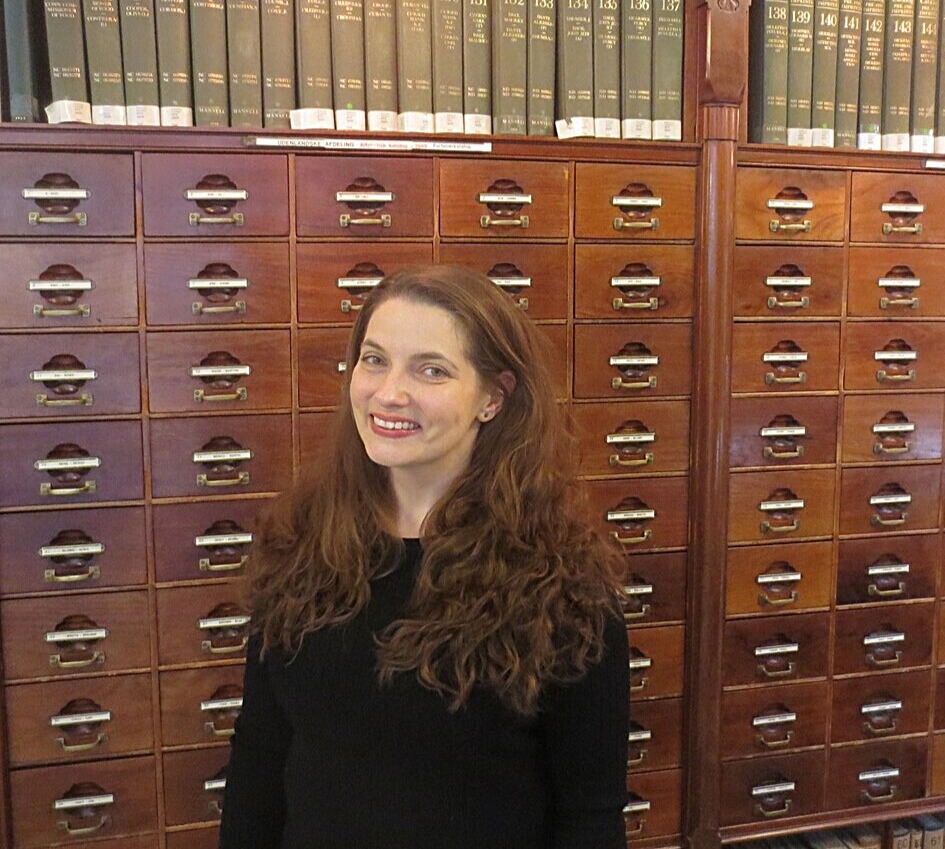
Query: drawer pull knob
[[95, 657], [883, 376], [201, 309], [649, 224], [240, 480], [800, 304], [779, 743], [768, 528], [874, 590], [237, 219], [93, 573], [795, 227], [878, 521], [616, 537], [487, 221], [345, 220], [84, 400], [647, 304], [210, 648], [100, 738], [771, 377], [82, 310], [206, 566], [765, 599], [914, 229], [617, 460], [241, 394], [620, 383], [881, 730], [885, 303], [78, 218], [872, 660], [72, 831], [773, 454], [49, 489], [769, 813]]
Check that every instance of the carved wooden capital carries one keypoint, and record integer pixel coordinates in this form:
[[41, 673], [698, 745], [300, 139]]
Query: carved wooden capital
[[725, 24]]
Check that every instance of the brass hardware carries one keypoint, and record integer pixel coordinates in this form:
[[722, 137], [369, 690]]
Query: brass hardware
[[878, 521], [49, 489], [648, 304], [764, 598], [347, 306], [623, 224], [83, 310], [200, 309], [798, 227], [215, 807], [786, 740], [103, 820], [882, 730], [636, 688], [641, 825], [883, 376], [768, 528], [237, 219], [345, 220], [790, 669], [84, 400], [102, 737], [619, 383], [874, 590], [615, 460], [206, 566], [872, 660], [802, 304], [486, 221], [93, 573], [914, 229], [240, 395], [615, 536], [241, 480], [776, 812], [219, 732], [210, 648], [638, 760], [771, 454], [866, 796], [78, 218], [771, 377], [885, 303], [879, 448], [633, 615], [95, 657]]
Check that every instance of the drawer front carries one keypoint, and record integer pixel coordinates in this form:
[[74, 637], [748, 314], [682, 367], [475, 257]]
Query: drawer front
[[785, 357], [939, 718], [781, 505], [896, 283], [775, 719], [222, 455], [777, 282], [66, 194], [899, 208], [633, 437], [886, 428], [358, 197], [880, 706], [200, 705], [889, 499], [76, 463], [559, 357], [504, 199], [69, 375], [898, 568], [79, 719], [643, 513], [69, 285], [892, 356], [779, 578], [938, 765], [655, 737], [899, 768], [535, 277], [788, 205], [211, 283], [763, 790], [74, 635], [199, 838], [656, 661], [334, 279], [767, 651], [628, 282], [200, 541], [634, 201], [321, 357], [639, 361], [193, 785], [315, 437], [881, 639], [64, 550], [122, 801], [205, 371], [783, 431], [200, 624], [656, 588], [654, 808], [211, 195]]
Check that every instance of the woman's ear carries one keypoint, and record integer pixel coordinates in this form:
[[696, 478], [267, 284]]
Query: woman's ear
[[504, 387]]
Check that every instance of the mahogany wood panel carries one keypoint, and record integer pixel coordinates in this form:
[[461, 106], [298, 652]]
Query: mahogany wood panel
[[69, 374], [464, 212], [197, 838], [656, 735], [633, 282], [779, 281], [545, 267], [744, 785], [656, 583], [921, 222], [880, 706], [116, 476], [187, 798], [106, 180], [632, 437], [65, 550], [937, 785], [753, 584], [32, 710], [786, 357], [656, 661], [661, 817], [315, 437], [321, 356], [200, 624], [873, 290], [319, 179], [848, 784], [883, 638], [200, 705], [774, 649], [34, 793], [649, 201], [27, 626], [775, 204], [168, 177], [65, 284], [559, 357], [890, 499], [182, 283], [894, 568], [783, 431], [885, 428], [892, 356], [938, 723], [321, 269], [781, 505], [641, 513]]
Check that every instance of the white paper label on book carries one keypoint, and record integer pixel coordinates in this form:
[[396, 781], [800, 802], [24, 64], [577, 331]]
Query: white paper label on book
[[607, 128], [77, 635], [218, 283], [476, 124], [177, 116], [222, 456], [667, 130], [84, 802], [896, 142], [448, 122], [66, 464], [415, 122], [869, 141], [350, 119], [67, 719], [222, 704], [922, 144], [69, 112], [60, 285], [576, 127], [222, 539], [85, 550], [312, 119], [637, 128], [895, 356], [383, 121], [144, 116], [220, 371], [821, 137], [109, 114]]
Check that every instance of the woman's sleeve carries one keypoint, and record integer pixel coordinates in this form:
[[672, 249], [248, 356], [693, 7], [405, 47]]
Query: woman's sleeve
[[254, 800], [585, 735]]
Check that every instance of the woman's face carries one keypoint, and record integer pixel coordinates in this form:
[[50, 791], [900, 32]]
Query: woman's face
[[417, 399]]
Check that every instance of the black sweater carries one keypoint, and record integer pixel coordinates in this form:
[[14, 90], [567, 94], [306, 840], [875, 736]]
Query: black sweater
[[324, 756]]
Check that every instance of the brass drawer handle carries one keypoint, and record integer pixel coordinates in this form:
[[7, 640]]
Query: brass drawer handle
[[768, 528], [215, 808], [347, 306], [866, 796], [771, 377], [764, 598], [872, 660], [649, 304], [96, 657], [616, 460], [83, 310], [883, 376], [206, 566], [874, 590], [623, 224], [790, 669], [78, 218], [636, 688], [487, 221], [346, 220], [641, 827], [241, 394], [84, 400], [885, 303], [93, 573], [798, 227], [620, 383], [786, 740], [771, 454], [882, 730], [49, 489], [103, 821], [102, 737], [241, 480], [878, 521], [915, 229], [633, 615], [219, 732], [879, 448], [201, 309], [774, 812], [801, 304], [236, 219], [210, 648], [638, 760], [616, 537]]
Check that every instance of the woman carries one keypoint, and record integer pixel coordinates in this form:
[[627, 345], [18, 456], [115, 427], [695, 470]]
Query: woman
[[437, 658]]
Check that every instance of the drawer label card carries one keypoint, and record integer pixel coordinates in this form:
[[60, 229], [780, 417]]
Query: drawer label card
[[879, 774], [787, 504], [216, 194], [881, 707], [223, 539], [65, 720], [222, 456], [899, 282], [64, 374], [903, 498], [84, 802], [214, 784], [630, 438], [494, 197], [907, 208], [888, 569], [884, 639], [220, 371], [774, 719], [894, 427], [640, 663], [895, 356], [773, 432], [636, 202], [222, 704], [67, 463], [639, 736], [218, 283], [635, 282], [640, 807], [634, 361], [364, 197], [774, 787], [358, 282], [77, 635], [630, 515], [781, 648], [89, 548], [785, 357], [779, 578], [638, 589], [789, 203], [788, 282], [56, 194], [223, 622], [512, 282], [60, 285]]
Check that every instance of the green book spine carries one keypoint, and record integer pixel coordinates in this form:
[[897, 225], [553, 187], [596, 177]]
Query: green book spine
[[27, 72], [139, 51], [768, 72], [103, 51], [244, 57], [541, 67], [636, 61], [313, 23], [800, 71], [380, 65], [448, 66], [848, 72], [477, 70], [208, 36], [414, 66], [347, 64], [172, 18], [667, 69], [70, 94], [924, 74], [277, 35], [897, 74], [606, 69], [940, 91], [869, 134], [824, 80], [509, 66], [575, 69]]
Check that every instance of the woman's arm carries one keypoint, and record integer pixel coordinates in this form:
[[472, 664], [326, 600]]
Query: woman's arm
[[585, 730], [254, 801]]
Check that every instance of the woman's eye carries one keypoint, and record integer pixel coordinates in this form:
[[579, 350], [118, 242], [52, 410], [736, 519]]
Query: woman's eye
[[371, 359], [434, 371]]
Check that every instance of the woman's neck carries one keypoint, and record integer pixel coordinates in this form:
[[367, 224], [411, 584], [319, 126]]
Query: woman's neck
[[415, 499]]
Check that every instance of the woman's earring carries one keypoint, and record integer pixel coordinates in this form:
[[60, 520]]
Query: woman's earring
[[485, 416]]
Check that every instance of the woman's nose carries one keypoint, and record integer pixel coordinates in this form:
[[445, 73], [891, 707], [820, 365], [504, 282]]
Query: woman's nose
[[392, 389]]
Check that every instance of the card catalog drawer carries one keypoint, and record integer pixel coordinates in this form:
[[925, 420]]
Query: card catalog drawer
[[783, 431], [780, 282], [896, 283], [889, 499], [892, 569], [559, 362], [315, 436], [877, 639], [202, 623], [656, 661], [779, 578], [877, 773], [198, 838], [654, 805], [893, 356], [880, 706], [902, 208], [884, 428], [641, 513], [772, 649], [200, 705], [193, 785], [655, 735], [655, 584], [781, 505], [762, 790], [785, 357]]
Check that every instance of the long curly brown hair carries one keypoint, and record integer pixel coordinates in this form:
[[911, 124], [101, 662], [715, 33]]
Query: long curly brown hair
[[514, 587]]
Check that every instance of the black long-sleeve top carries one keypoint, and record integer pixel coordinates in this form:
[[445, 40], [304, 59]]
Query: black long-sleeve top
[[324, 757]]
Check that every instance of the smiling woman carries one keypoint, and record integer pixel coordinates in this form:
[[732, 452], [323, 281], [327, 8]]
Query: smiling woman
[[438, 658]]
